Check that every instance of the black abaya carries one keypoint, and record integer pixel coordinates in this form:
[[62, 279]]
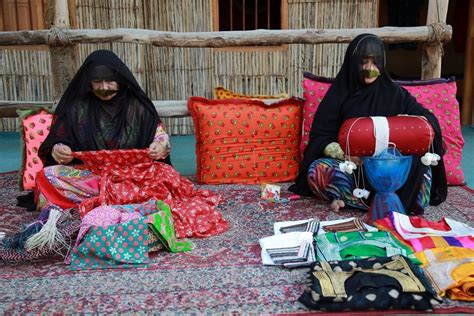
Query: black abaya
[[350, 97]]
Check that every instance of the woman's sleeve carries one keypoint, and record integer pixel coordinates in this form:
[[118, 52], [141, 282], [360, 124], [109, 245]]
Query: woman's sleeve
[[162, 137], [58, 134]]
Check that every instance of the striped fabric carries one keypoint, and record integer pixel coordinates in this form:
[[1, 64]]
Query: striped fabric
[[310, 226], [356, 225], [290, 254], [429, 242]]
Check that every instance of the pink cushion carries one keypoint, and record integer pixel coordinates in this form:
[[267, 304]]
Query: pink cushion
[[440, 99], [437, 95], [36, 125], [314, 90]]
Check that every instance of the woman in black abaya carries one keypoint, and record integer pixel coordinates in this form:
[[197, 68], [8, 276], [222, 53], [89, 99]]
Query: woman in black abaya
[[362, 88], [104, 108]]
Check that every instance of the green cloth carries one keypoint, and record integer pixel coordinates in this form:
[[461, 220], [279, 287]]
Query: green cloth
[[360, 245], [162, 225]]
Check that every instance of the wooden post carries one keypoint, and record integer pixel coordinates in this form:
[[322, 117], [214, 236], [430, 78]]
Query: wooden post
[[433, 52], [61, 49], [467, 97]]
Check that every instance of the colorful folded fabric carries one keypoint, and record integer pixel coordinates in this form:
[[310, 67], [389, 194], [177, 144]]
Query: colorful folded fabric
[[116, 246], [385, 224], [368, 284], [358, 245], [103, 216], [416, 227], [162, 225], [451, 271], [428, 242]]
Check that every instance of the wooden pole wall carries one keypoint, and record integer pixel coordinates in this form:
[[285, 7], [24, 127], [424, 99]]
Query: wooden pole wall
[[62, 51], [433, 52]]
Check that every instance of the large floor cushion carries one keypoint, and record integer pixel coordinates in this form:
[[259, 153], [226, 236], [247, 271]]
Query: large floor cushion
[[437, 95], [246, 141], [35, 125]]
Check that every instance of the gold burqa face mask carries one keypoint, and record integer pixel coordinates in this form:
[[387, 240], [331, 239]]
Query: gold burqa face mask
[[370, 73], [104, 93]]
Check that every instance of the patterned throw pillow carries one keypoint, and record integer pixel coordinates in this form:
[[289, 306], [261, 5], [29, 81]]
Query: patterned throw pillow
[[221, 93], [436, 95], [439, 97], [314, 90], [246, 141], [35, 127]]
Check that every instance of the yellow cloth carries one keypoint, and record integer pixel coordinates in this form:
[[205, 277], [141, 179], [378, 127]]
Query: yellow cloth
[[222, 93], [464, 288], [452, 271]]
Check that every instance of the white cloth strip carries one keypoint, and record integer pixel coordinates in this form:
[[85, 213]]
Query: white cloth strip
[[381, 133]]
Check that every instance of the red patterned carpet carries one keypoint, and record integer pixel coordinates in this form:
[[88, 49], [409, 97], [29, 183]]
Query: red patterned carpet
[[223, 274]]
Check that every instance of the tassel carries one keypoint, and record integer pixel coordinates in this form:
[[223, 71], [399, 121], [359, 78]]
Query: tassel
[[49, 236], [18, 240]]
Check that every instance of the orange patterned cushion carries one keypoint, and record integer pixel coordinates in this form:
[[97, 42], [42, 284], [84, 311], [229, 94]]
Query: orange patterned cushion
[[221, 93], [36, 124], [246, 141]]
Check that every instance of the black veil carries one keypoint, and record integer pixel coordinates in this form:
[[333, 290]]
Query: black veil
[[84, 122], [350, 97]]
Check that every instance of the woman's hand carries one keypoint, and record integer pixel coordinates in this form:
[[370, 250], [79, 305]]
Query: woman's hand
[[62, 154], [158, 151]]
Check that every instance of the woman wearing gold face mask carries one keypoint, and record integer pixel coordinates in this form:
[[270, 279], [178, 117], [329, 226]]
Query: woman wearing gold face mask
[[104, 108], [363, 88]]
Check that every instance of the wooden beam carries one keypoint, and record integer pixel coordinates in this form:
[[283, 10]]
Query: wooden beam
[[467, 109], [433, 52], [225, 39], [168, 108]]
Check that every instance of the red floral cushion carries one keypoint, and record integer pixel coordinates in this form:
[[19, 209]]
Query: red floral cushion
[[246, 141], [35, 128], [437, 95]]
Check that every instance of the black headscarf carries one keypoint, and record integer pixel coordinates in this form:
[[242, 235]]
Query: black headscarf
[[85, 123], [349, 97]]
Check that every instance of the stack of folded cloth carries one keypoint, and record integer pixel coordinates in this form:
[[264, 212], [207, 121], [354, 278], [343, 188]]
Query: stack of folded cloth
[[445, 249], [292, 245]]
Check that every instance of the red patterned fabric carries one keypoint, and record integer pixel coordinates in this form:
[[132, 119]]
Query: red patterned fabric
[[130, 176], [357, 135], [246, 141]]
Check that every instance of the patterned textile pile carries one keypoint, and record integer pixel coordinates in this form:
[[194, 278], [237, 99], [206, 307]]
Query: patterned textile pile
[[111, 221]]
